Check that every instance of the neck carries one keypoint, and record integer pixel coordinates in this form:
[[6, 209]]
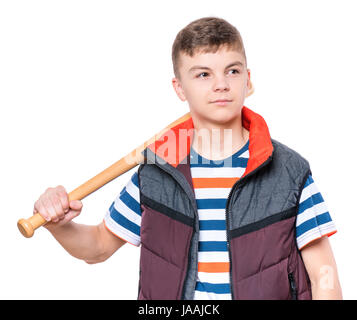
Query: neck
[[217, 141]]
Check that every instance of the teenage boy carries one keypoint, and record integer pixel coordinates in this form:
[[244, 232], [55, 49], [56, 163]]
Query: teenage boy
[[220, 209]]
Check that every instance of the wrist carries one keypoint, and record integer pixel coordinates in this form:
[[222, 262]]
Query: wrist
[[57, 227]]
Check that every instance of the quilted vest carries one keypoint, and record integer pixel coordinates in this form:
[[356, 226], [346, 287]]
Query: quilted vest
[[260, 218]]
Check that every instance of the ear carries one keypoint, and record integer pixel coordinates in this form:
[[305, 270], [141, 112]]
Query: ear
[[249, 85], [178, 89]]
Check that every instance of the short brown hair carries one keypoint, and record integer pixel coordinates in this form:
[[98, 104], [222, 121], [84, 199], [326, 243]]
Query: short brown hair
[[206, 35]]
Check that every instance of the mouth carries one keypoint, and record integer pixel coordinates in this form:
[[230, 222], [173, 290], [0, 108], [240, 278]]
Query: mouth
[[221, 102]]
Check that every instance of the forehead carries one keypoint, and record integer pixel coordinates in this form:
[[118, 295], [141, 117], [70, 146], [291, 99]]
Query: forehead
[[221, 57]]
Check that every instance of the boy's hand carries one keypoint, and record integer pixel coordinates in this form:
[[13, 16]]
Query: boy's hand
[[54, 206]]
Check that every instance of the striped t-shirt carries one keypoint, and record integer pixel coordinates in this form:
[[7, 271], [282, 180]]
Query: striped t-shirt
[[212, 181]]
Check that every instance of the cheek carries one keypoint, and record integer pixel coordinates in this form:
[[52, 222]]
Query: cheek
[[197, 92], [240, 87]]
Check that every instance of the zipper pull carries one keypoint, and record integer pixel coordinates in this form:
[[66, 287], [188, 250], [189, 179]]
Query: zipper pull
[[293, 288]]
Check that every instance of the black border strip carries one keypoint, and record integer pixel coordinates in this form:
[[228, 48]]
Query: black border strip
[[167, 211], [289, 213]]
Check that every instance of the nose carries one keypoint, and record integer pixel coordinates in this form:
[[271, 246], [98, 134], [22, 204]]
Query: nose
[[220, 84]]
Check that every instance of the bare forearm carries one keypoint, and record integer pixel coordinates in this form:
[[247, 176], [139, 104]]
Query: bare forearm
[[327, 285], [79, 240], [318, 294], [321, 267]]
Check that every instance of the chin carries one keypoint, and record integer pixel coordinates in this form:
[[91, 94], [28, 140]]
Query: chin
[[223, 115], [218, 115]]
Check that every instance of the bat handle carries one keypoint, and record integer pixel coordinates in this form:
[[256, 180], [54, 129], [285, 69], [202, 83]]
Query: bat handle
[[28, 226]]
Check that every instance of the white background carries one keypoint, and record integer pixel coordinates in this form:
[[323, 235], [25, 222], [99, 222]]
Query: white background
[[82, 83]]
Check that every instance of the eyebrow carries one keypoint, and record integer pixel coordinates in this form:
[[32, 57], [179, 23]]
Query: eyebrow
[[206, 68]]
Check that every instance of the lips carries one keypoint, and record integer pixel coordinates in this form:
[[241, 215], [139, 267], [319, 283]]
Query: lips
[[221, 102]]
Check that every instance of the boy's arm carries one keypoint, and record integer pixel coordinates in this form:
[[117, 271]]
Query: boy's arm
[[321, 267], [93, 244]]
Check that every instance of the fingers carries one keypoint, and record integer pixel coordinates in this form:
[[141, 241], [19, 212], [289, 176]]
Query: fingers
[[53, 205], [40, 208], [63, 198]]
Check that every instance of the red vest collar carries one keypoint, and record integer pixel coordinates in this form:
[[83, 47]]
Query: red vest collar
[[174, 145]]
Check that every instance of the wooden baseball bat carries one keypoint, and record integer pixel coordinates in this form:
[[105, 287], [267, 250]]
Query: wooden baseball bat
[[132, 159], [28, 226]]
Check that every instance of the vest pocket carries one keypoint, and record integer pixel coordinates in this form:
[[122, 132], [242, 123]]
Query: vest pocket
[[293, 289]]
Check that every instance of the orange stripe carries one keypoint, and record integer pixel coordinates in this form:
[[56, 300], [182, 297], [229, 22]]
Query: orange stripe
[[214, 182], [114, 234], [213, 267], [324, 235]]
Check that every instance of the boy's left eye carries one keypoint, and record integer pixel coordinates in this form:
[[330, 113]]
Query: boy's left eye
[[202, 73], [235, 70]]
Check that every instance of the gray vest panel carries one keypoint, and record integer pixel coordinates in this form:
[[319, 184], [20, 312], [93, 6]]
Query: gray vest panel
[[273, 189]]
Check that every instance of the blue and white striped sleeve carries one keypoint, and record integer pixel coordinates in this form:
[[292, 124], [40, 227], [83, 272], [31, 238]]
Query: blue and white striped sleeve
[[123, 218], [313, 219]]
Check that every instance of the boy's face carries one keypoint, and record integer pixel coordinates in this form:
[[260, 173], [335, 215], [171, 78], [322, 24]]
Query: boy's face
[[208, 77]]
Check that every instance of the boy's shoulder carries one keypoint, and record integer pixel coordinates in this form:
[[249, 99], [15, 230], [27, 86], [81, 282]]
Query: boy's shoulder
[[289, 157]]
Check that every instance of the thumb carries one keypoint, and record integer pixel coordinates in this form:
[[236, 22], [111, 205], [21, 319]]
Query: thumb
[[69, 216], [76, 205]]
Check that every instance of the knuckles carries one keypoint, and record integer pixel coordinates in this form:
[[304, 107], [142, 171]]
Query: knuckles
[[53, 203], [61, 188]]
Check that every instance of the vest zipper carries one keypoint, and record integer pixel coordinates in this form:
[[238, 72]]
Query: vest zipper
[[228, 239]]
